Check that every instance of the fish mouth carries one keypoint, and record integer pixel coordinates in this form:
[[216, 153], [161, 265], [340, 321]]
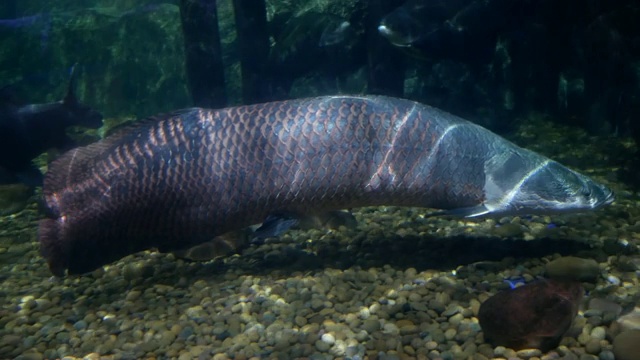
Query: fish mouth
[[609, 197]]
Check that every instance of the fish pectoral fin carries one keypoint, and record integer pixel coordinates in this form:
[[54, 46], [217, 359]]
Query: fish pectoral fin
[[467, 212], [274, 225]]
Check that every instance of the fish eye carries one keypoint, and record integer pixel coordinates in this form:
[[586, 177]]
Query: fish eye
[[586, 192]]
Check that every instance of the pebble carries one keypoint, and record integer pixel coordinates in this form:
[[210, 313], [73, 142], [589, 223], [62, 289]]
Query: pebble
[[528, 353], [322, 346], [371, 326], [630, 321], [10, 340], [450, 334], [626, 345], [598, 333], [328, 338], [573, 268], [593, 347]]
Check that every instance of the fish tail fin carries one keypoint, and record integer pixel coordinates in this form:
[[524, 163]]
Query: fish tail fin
[[52, 246], [66, 175]]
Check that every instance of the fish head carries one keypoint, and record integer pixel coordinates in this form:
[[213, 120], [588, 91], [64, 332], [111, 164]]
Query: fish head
[[77, 113], [526, 183], [402, 28], [556, 188]]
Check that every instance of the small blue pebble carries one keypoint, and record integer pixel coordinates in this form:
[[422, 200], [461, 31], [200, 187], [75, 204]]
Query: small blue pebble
[[614, 280], [185, 333], [80, 325], [513, 283]]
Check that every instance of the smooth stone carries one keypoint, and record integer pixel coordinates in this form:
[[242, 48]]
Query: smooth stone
[[328, 338], [528, 353], [452, 310], [371, 325], [300, 321], [80, 325], [605, 306], [534, 315], [43, 304], [390, 329], [10, 340], [571, 268], [626, 345], [456, 319], [593, 347], [450, 334], [598, 333], [31, 355], [630, 321], [508, 230], [322, 346], [133, 295], [606, 355], [588, 357]]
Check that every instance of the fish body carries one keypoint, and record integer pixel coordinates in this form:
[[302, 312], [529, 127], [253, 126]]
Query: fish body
[[182, 179], [27, 131]]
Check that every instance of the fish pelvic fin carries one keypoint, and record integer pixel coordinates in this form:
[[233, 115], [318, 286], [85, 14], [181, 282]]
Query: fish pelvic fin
[[467, 212]]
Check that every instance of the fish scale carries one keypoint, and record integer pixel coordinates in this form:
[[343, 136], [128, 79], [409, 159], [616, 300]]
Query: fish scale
[[184, 178]]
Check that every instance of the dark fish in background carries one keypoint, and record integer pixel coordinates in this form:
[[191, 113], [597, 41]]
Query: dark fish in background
[[180, 180], [27, 131], [323, 45], [461, 30], [416, 20]]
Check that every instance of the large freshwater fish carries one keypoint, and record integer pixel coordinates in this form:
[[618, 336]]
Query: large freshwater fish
[[181, 179]]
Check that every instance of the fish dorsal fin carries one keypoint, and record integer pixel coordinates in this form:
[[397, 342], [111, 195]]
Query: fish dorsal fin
[[70, 97]]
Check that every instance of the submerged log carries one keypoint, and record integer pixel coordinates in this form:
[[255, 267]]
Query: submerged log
[[203, 52], [253, 41], [385, 63]]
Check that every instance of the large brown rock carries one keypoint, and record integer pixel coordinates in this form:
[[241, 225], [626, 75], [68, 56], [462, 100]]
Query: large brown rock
[[626, 345], [535, 315]]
